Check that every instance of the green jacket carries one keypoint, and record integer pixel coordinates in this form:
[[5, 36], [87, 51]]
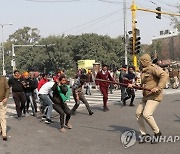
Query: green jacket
[[64, 97]]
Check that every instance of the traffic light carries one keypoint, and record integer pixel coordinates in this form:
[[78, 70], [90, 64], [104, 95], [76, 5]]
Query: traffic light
[[137, 45], [158, 14], [130, 46]]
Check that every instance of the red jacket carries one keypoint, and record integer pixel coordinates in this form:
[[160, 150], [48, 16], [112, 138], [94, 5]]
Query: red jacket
[[105, 76], [42, 82]]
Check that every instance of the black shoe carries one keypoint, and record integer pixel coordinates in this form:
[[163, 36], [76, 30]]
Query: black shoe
[[132, 105], [143, 138], [4, 138], [19, 117], [91, 113], [155, 138], [48, 121], [124, 102]]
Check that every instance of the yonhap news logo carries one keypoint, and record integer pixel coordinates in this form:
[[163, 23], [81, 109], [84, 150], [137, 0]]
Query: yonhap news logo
[[129, 138]]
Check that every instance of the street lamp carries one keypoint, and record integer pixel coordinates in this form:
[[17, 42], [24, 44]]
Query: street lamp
[[3, 70]]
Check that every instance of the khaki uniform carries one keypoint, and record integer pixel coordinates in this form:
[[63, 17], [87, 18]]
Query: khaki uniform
[[4, 93], [173, 74], [152, 77]]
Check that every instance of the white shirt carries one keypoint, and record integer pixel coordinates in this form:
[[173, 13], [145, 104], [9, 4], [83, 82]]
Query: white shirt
[[104, 72], [46, 88]]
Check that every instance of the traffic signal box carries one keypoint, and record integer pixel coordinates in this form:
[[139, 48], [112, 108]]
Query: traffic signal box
[[158, 14]]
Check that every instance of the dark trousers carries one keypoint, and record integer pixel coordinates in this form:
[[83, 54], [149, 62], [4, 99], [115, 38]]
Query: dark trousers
[[123, 92], [19, 99], [131, 94], [77, 103], [104, 91], [111, 87], [63, 109]]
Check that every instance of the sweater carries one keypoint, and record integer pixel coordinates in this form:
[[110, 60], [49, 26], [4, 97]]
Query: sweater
[[106, 76]]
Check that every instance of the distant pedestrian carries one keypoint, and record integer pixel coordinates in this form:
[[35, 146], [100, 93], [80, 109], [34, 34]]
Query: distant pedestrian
[[78, 93], [105, 75], [121, 80], [16, 82], [89, 81], [131, 78]]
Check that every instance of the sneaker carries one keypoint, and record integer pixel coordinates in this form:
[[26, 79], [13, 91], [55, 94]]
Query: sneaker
[[91, 113], [62, 130], [33, 114], [68, 126], [4, 138], [43, 118], [48, 121], [155, 138]]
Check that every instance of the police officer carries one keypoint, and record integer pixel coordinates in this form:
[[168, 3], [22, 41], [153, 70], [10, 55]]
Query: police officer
[[4, 95], [154, 78]]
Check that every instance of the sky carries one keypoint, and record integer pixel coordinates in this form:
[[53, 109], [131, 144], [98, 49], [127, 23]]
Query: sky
[[104, 17]]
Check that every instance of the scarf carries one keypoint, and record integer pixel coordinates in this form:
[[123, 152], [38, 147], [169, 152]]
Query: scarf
[[64, 97]]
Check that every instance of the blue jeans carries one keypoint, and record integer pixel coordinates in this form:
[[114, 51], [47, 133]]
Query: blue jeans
[[30, 100], [47, 101], [88, 89]]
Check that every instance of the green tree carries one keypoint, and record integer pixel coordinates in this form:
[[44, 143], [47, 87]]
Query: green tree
[[176, 20], [23, 36]]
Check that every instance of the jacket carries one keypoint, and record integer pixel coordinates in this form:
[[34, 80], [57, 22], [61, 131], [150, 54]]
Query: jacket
[[105, 76], [152, 76], [4, 88]]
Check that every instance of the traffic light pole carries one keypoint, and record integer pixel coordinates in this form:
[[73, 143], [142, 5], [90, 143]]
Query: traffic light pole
[[133, 9], [155, 11]]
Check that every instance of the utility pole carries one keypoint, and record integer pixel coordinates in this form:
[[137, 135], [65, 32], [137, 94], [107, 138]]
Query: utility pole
[[3, 62], [125, 31]]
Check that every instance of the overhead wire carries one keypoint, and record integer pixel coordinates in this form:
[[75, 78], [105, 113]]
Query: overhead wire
[[93, 24], [170, 5], [115, 21], [53, 1], [94, 21]]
